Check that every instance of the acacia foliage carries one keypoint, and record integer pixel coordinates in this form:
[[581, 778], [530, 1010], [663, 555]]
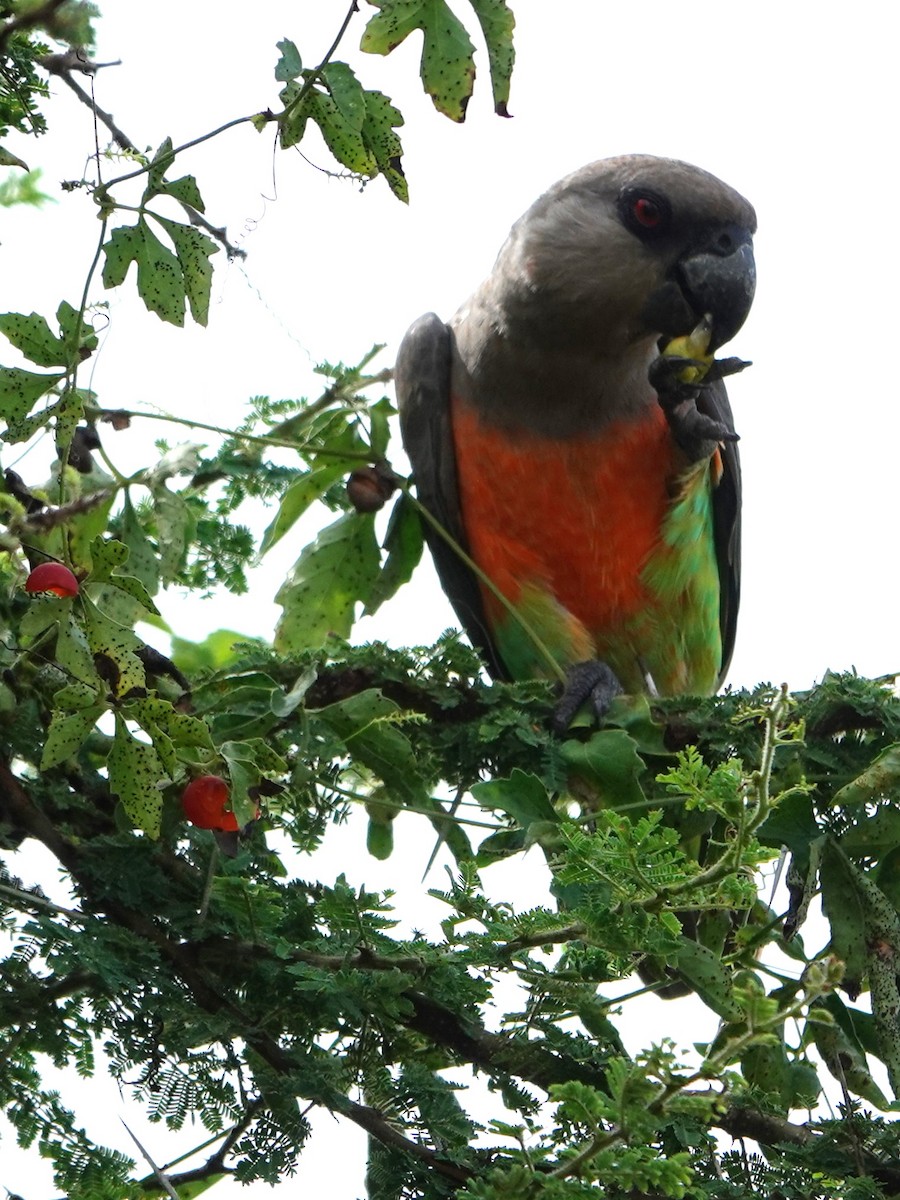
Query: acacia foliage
[[225, 988]]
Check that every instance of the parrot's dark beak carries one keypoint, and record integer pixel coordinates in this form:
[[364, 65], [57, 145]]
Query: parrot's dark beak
[[716, 277], [719, 278]]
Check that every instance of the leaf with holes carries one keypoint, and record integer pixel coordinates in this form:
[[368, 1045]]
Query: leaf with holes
[[331, 575], [114, 649]]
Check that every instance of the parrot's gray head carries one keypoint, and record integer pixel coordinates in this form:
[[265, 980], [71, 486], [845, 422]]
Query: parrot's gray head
[[631, 248]]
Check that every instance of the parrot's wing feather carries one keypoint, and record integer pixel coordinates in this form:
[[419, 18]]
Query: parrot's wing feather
[[422, 382], [713, 401]]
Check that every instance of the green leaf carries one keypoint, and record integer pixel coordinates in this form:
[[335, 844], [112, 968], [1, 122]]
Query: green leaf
[[610, 761], [184, 189], [522, 795], [331, 575], [122, 249], [284, 703], [368, 725], [342, 138], [67, 733], [106, 555], [448, 64], [32, 335], [844, 906], [69, 412], [161, 279], [136, 776], [497, 23], [174, 528], [116, 646], [142, 563], [709, 977], [159, 164], [880, 781], [841, 1052], [347, 93], [303, 491], [193, 250], [77, 333], [73, 652], [289, 64], [403, 543], [75, 697], [213, 653], [19, 391], [248, 764], [874, 835], [378, 131]]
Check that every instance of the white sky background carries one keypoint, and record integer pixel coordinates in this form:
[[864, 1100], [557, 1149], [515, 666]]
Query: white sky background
[[793, 104]]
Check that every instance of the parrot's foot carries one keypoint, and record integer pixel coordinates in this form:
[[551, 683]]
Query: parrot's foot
[[695, 432], [591, 681]]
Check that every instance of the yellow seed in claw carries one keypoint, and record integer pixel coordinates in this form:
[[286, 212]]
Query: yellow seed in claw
[[693, 345]]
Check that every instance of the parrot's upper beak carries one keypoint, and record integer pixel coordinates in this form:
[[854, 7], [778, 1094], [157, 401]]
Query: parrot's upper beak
[[716, 277], [719, 278]]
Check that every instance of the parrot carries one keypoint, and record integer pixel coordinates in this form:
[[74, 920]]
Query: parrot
[[572, 442]]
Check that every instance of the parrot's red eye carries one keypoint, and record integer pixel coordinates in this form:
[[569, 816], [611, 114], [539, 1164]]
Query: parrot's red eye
[[647, 212]]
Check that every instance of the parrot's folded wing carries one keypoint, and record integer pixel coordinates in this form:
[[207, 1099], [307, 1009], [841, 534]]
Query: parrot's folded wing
[[713, 401], [422, 382]]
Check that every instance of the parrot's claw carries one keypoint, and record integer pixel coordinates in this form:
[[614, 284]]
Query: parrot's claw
[[692, 427], [696, 433], [592, 681], [723, 367]]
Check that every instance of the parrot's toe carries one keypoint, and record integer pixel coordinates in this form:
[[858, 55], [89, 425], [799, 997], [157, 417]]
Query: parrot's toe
[[586, 682]]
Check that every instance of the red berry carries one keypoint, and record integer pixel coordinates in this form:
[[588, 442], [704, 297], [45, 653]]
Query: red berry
[[52, 577], [204, 800]]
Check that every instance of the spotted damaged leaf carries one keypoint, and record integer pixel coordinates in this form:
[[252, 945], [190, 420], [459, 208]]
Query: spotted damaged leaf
[[448, 64], [165, 280], [113, 647], [136, 776], [67, 733], [330, 577]]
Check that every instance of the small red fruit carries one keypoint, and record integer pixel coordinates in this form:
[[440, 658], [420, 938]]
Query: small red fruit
[[52, 577], [204, 800]]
